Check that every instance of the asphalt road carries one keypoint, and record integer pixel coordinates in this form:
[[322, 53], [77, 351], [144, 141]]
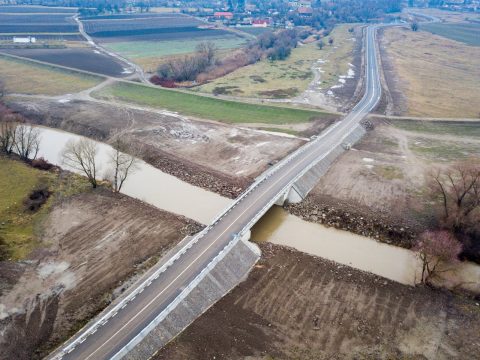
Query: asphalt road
[[112, 336]]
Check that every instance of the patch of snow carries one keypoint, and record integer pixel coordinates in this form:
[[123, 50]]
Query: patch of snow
[[368, 159], [368, 166], [343, 81], [51, 268], [351, 73], [330, 92], [63, 101]]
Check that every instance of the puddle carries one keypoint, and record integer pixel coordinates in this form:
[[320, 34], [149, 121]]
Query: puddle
[[147, 183]]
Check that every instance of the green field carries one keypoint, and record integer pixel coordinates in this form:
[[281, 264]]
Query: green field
[[471, 129], [146, 49], [466, 33], [29, 77], [206, 107], [19, 227]]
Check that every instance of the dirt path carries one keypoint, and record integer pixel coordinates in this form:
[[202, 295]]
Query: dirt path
[[131, 66]]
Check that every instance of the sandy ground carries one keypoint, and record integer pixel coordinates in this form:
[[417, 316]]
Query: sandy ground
[[91, 244], [219, 157], [328, 311], [429, 75]]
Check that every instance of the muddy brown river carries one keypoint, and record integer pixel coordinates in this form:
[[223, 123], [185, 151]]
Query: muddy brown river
[[277, 226], [146, 183]]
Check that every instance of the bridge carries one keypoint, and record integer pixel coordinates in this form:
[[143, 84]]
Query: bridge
[[202, 269]]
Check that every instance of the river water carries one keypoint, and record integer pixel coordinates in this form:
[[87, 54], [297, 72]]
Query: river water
[[146, 183], [391, 262], [277, 226]]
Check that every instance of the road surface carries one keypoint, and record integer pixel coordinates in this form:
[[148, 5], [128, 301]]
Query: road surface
[[110, 337]]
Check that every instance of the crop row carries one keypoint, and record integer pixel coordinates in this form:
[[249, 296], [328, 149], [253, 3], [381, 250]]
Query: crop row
[[37, 28], [132, 16], [93, 27], [36, 9], [7, 19]]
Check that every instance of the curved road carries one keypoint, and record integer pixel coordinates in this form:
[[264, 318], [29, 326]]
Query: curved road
[[121, 325]]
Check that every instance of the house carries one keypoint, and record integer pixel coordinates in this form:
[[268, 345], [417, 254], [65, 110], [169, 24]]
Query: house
[[305, 11], [259, 23], [223, 15], [24, 40]]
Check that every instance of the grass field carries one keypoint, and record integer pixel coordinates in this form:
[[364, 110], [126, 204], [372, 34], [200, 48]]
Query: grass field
[[142, 49], [288, 78], [30, 78], [439, 77], [150, 54], [205, 107], [466, 33], [442, 128], [18, 226]]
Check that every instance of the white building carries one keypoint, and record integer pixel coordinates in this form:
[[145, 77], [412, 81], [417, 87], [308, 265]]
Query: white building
[[24, 40]]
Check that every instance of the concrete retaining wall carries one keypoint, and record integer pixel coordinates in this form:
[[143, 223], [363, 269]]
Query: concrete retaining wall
[[308, 181], [225, 272]]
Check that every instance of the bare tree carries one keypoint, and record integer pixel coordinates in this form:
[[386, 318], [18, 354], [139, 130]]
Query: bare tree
[[435, 248], [3, 89], [8, 131], [27, 141], [458, 188], [122, 164], [81, 155]]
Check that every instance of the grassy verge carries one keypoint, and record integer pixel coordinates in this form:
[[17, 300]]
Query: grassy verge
[[19, 227], [206, 107], [27, 77], [443, 128], [290, 77], [466, 33]]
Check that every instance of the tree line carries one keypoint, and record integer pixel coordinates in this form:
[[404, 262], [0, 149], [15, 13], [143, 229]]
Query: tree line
[[204, 63]]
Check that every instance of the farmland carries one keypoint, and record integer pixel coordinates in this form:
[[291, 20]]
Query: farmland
[[116, 26], [30, 78], [206, 107], [466, 33], [32, 20], [148, 38], [77, 58]]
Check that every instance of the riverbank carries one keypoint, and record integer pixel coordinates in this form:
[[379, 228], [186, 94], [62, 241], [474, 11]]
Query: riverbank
[[78, 257], [217, 157], [328, 311]]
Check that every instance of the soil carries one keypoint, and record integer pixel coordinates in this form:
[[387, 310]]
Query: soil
[[77, 58], [221, 158], [328, 311], [90, 244], [379, 188]]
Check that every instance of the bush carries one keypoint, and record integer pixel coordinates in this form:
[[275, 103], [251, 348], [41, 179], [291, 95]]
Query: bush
[[41, 164]]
